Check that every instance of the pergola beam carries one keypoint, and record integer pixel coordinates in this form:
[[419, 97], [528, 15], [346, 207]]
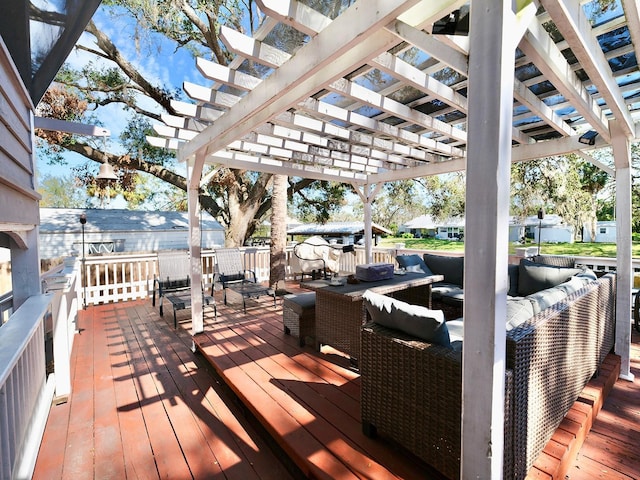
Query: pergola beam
[[546, 56], [576, 29]]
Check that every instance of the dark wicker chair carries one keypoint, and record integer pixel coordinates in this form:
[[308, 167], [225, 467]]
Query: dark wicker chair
[[411, 390]]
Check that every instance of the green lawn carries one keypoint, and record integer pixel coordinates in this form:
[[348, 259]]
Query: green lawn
[[577, 249]]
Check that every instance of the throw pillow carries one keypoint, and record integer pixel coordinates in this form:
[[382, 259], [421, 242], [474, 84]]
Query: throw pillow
[[533, 277], [413, 263], [414, 320]]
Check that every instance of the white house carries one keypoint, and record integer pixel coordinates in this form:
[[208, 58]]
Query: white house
[[427, 226], [108, 231], [605, 232], [551, 229]]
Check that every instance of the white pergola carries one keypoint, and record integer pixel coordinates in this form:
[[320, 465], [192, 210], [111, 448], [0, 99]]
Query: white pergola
[[397, 89]]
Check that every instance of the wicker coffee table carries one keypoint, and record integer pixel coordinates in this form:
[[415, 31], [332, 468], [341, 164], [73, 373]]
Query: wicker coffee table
[[340, 309], [244, 291]]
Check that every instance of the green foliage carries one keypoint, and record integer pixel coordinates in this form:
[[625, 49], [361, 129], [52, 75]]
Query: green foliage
[[575, 249], [61, 192], [317, 203]]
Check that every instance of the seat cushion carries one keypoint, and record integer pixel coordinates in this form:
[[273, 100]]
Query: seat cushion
[[300, 302], [442, 289], [534, 277], [451, 267], [413, 263], [415, 320]]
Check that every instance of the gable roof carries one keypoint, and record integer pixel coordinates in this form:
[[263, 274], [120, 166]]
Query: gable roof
[[335, 228], [61, 220]]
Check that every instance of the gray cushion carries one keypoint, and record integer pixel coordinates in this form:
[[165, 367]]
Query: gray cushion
[[588, 274], [518, 312], [451, 267], [574, 284], [513, 272], [409, 261], [300, 301], [415, 320], [442, 289], [534, 277], [544, 299], [456, 333]]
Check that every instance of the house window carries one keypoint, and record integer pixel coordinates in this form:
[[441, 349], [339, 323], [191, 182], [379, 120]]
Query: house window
[[603, 230]]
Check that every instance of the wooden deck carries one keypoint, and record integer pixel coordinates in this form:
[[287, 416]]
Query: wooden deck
[[144, 406]]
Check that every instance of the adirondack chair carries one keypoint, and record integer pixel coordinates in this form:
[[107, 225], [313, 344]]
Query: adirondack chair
[[230, 267]]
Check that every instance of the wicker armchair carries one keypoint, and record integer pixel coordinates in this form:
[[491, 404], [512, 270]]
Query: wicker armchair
[[411, 390]]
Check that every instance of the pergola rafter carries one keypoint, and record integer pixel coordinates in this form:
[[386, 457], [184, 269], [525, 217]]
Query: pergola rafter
[[385, 92]]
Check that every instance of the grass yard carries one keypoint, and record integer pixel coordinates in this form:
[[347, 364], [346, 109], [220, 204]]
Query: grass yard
[[576, 249]]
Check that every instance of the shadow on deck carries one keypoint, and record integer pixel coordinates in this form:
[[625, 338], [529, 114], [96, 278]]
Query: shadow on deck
[[144, 406]]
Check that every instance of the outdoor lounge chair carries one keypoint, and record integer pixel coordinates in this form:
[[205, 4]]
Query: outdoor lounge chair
[[173, 282], [173, 274], [230, 267]]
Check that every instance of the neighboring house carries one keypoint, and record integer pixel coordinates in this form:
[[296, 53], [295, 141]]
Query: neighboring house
[[551, 229], [605, 232], [108, 231], [340, 232], [427, 226]]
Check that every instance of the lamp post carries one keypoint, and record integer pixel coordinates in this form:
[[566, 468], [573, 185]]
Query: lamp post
[[540, 217], [83, 220]]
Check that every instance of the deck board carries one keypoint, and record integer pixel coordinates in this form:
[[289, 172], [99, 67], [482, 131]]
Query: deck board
[[144, 406], [296, 390]]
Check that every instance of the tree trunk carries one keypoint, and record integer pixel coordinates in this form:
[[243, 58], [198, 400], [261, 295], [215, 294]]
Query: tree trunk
[[278, 259]]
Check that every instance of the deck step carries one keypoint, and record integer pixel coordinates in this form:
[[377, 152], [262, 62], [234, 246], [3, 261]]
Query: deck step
[[557, 457]]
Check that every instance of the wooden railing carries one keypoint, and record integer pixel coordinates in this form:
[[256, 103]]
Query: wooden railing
[[25, 393]]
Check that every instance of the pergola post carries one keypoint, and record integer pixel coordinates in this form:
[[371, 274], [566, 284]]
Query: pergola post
[[622, 159], [367, 194], [195, 247], [491, 64]]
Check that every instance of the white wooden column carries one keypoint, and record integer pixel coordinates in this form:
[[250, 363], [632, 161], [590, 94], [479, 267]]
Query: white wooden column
[[491, 67], [194, 172], [25, 267], [367, 194], [622, 159]]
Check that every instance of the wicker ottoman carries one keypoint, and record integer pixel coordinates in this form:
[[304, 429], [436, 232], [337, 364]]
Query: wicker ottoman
[[299, 315]]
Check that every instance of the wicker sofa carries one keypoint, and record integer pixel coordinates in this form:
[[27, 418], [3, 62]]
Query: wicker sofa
[[411, 388]]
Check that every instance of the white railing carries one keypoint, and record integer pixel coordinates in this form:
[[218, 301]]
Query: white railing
[[25, 394], [117, 278], [62, 282]]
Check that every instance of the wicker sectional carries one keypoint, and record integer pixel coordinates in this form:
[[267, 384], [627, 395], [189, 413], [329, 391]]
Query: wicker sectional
[[411, 390]]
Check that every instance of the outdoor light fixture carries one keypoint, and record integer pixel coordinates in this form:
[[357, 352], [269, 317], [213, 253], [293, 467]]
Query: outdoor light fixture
[[540, 217], [588, 138], [83, 221], [106, 172]]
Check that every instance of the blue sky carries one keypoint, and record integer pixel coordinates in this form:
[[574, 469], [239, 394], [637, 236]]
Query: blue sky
[[155, 56]]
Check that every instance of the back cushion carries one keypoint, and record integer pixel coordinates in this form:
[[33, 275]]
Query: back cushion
[[533, 277], [414, 320], [514, 272], [451, 267]]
